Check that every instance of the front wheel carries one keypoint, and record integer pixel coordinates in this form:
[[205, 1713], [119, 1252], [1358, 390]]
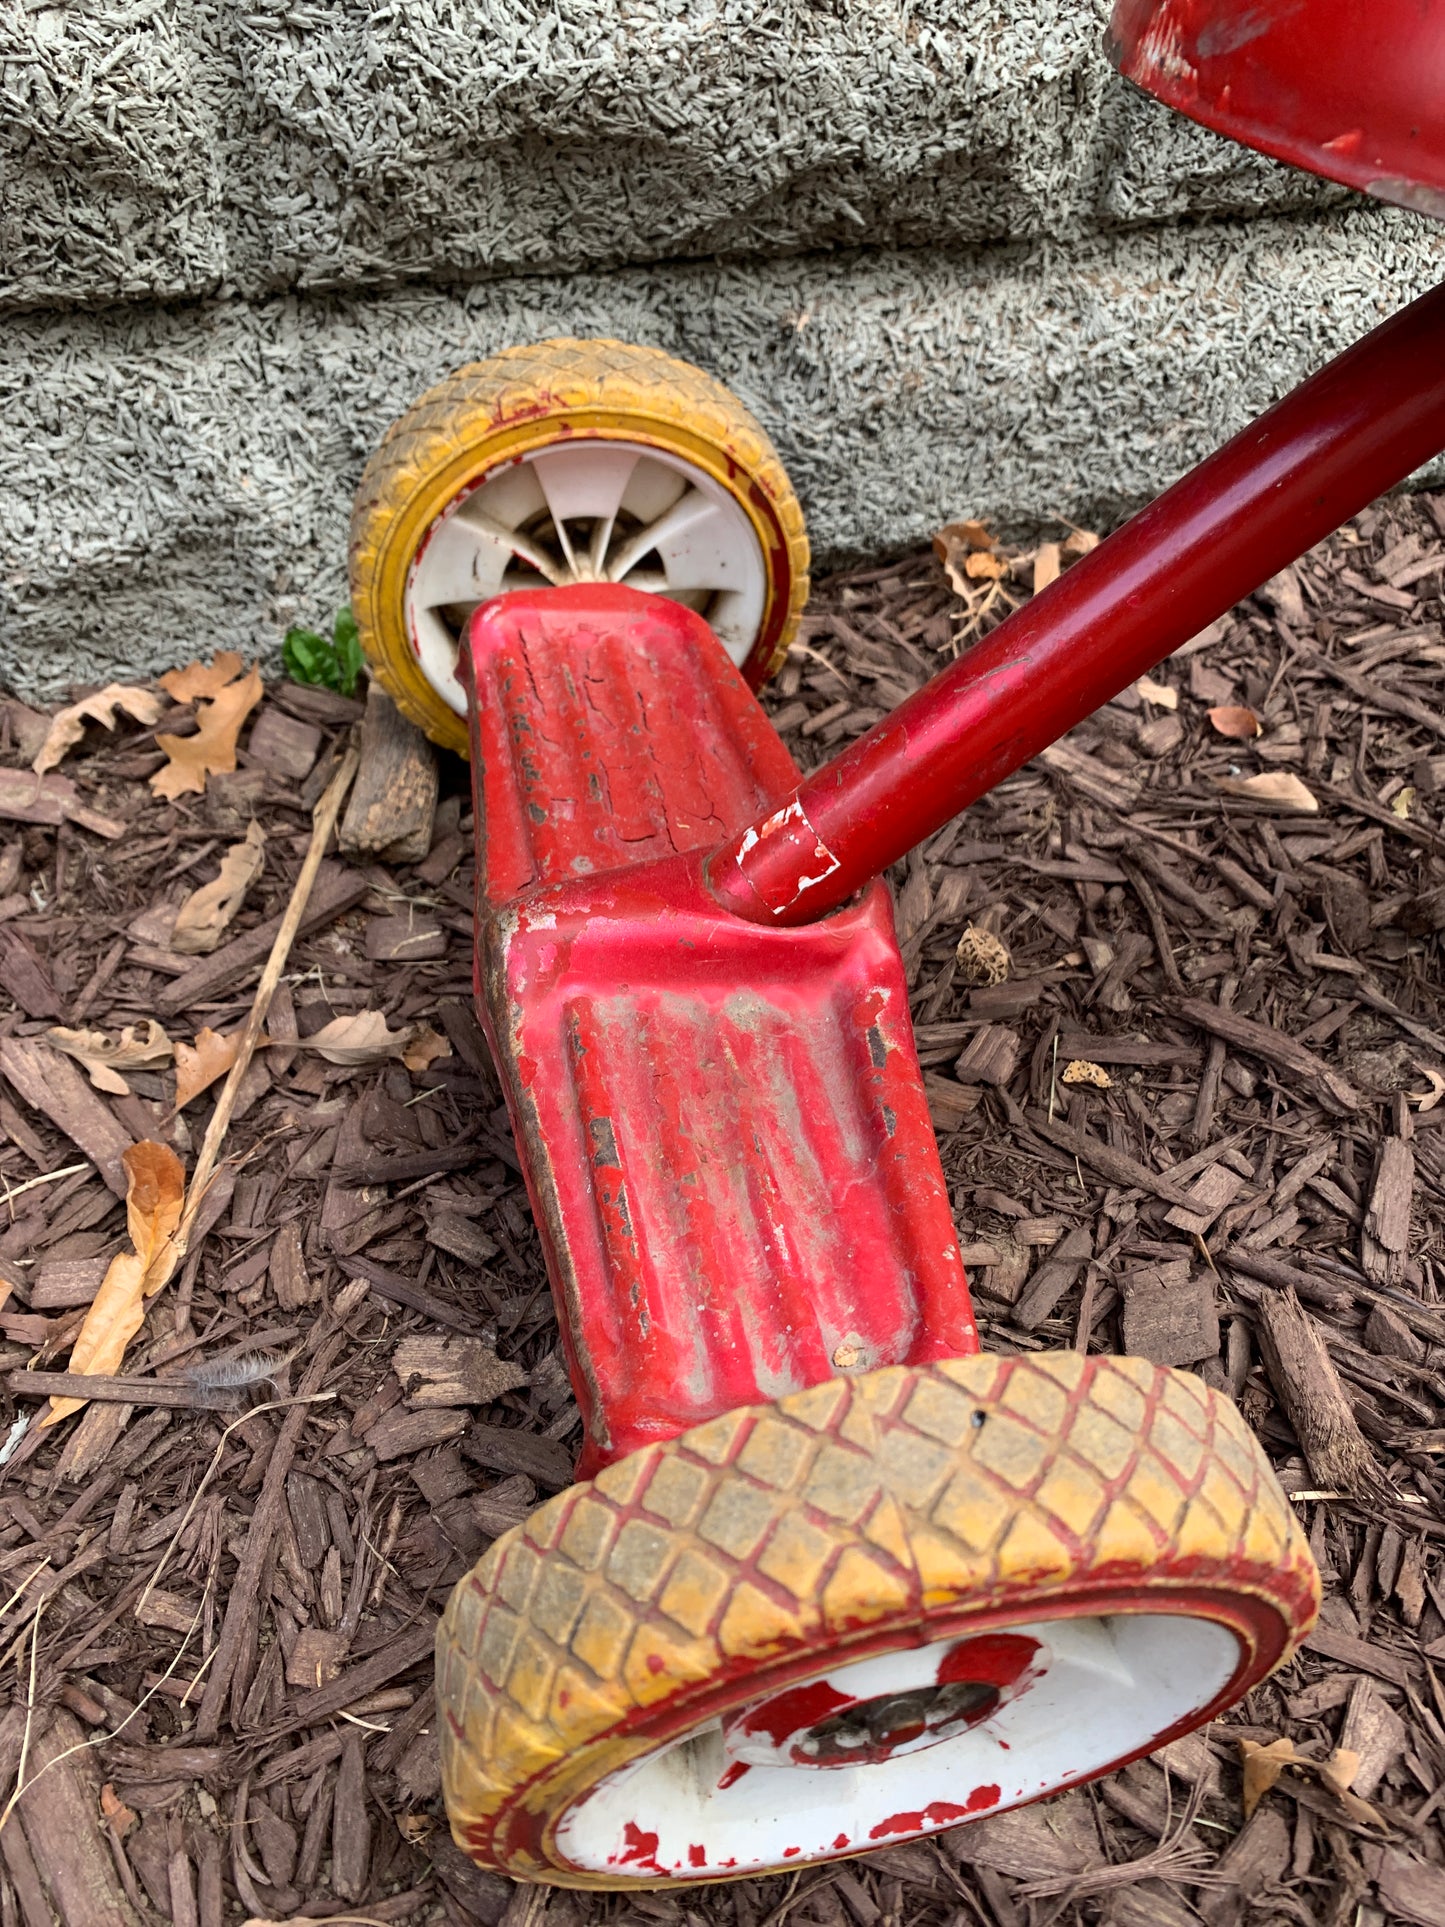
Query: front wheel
[[869, 1611], [569, 461]]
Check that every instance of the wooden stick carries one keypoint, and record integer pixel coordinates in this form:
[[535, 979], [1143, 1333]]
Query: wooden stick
[[1308, 1387], [176, 1393], [323, 821]]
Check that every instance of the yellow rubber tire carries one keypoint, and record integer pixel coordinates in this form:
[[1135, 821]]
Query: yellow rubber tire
[[529, 398], [860, 1517]]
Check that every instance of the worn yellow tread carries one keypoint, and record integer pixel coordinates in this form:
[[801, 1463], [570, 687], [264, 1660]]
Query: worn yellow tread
[[904, 1494], [491, 411]]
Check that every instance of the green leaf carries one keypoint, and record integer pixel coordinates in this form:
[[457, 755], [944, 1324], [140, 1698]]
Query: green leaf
[[310, 658], [349, 657]]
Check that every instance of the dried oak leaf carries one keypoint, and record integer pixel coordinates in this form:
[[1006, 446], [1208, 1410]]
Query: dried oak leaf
[[200, 679], [155, 1191], [1281, 788], [105, 1058], [212, 750], [198, 1065], [1234, 720], [67, 726], [203, 918]]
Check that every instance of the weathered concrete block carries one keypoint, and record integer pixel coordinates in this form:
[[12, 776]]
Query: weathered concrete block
[[189, 147], [176, 480]]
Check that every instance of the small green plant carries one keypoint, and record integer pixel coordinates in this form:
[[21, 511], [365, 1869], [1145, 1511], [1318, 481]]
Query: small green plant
[[334, 662]]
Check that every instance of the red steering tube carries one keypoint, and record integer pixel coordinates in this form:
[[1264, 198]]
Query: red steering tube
[[1358, 427]]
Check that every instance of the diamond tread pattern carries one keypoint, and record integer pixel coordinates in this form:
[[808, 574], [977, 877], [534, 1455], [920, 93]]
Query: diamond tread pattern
[[537, 382], [990, 1481]]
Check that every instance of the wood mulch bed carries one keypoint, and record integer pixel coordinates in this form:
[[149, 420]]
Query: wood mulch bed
[[225, 1599]]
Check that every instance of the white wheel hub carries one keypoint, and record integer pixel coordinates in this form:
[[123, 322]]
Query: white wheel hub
[[585, 511], [939, 1733]]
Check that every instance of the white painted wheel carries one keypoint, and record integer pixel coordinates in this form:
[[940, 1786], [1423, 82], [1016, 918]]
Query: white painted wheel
[[899, 1745], [859, 1614], [570, 461], [580, 511]]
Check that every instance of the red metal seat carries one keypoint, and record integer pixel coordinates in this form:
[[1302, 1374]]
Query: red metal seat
[[724, 1128], [1352, 91]]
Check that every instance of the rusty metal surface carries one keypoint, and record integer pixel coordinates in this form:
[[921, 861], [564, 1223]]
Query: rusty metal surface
[[1352, 91], [724, 1127]]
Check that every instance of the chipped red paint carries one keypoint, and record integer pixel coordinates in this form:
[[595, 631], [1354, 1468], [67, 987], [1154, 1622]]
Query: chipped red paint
[[795, 1711], [644, 1035], [840, 1842], [1354, 430], [1258, 1627], [938, 1813], [641, 1849], [995, 1659], [1354, 93], [696, 1856], [732, 1774]]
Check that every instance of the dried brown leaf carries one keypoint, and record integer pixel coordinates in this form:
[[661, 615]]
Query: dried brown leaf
[[961, 535], [155, 1190], [199, 679], [105, 1058], [212, 750], [425, 1048], [1282, 788], [203, 918], [964, 549], [1263, 1766], [1337, 1773], [1046, 565], [1077, 544], [198, 1065], [67, 726], [1083, 1071], [120, 1818], [365, 1039], [1234, 720], [982, 957]]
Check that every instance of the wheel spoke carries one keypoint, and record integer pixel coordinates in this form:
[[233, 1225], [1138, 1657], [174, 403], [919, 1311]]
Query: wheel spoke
[[520, 545], [462, 563], [585, 482], [674, 522]]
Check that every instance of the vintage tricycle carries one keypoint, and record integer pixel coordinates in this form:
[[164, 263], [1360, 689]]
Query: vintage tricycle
[[831, 1578]]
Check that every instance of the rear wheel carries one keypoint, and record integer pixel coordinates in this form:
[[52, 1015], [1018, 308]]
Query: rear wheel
[[569, 461], [874, 1609]]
